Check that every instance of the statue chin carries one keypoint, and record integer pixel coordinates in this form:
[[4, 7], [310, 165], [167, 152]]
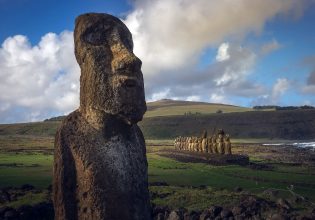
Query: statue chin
[[132, 117]]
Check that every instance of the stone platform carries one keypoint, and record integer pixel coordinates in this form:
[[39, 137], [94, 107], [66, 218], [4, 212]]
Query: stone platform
[[199, 157]]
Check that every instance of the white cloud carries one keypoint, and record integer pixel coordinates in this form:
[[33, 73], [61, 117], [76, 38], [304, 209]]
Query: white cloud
[[223, 53], [308, 89], [236, 67], [280, 87], [39, 80], [270, 46], [309, 86], [171, 36], [193, 98], [218, 98], [160, 95]]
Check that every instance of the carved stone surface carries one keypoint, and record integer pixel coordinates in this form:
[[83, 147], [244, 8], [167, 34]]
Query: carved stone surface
[[100, 166]]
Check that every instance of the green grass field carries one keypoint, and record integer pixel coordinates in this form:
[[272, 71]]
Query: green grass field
[[17, 169], [195, 186], [35, 167]]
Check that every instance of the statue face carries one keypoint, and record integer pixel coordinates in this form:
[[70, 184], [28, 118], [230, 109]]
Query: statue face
[[111, 78]]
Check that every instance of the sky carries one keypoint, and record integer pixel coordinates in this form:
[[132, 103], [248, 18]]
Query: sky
[[239, 52]]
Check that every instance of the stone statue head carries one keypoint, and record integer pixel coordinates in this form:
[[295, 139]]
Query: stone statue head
[[111, 78]]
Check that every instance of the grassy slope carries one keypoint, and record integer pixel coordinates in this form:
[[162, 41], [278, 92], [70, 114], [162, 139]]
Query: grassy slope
[[170, 107], [295, 124], [158, 108]]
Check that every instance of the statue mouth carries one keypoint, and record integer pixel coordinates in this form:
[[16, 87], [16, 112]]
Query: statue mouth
[[128, 82]]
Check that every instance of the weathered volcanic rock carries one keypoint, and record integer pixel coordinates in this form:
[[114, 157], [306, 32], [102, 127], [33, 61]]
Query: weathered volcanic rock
[[100, 166]]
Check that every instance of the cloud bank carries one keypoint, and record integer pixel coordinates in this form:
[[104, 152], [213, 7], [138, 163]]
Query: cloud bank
[[309, 88], [38, 81], [170, 37]]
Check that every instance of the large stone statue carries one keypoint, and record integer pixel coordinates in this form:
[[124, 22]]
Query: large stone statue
[[100, 166]]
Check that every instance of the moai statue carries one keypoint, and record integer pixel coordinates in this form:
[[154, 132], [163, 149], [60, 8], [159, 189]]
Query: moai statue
[[210, 145], [190, 145], [100, 165], [220, 141], [180, 143], [195, 144], [175, 143], [200, 144], [220, 144], [204, 144], [214, 145], [186, 143], [227, 144]]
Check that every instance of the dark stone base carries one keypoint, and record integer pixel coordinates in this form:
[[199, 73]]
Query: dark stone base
[[213, 159]]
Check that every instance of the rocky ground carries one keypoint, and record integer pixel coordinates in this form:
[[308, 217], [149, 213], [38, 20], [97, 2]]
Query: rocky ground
[[250, 207], [284, 153], [38, 211]]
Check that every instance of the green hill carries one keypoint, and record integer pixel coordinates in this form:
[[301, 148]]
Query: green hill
[[168, 118], [290, 124], [167, 107]]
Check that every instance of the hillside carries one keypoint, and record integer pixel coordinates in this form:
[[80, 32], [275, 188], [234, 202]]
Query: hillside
[[167, 119], [167, 107], [291, 124]]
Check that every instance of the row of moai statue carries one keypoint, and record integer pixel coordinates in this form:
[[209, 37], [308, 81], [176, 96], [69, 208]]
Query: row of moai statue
[[217, 144]]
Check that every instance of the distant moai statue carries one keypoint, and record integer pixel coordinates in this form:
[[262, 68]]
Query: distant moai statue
[[189, 144], [195, 144], [186, 144], [214, 144], [198, 144], [227, 144], [209, 145], [176, 143], [204, 144], [180, 143], [220, 141], [100, 166]]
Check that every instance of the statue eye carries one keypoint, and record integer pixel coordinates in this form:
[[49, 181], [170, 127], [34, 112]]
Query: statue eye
[[96, 35], [95, 38]]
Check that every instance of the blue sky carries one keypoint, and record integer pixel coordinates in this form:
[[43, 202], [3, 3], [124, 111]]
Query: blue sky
[[245, 52]]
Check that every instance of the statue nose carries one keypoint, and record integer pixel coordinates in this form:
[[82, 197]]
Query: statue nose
[[128, 63]]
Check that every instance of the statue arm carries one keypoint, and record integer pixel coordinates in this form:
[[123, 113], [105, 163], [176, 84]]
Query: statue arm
[[64, 181]]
